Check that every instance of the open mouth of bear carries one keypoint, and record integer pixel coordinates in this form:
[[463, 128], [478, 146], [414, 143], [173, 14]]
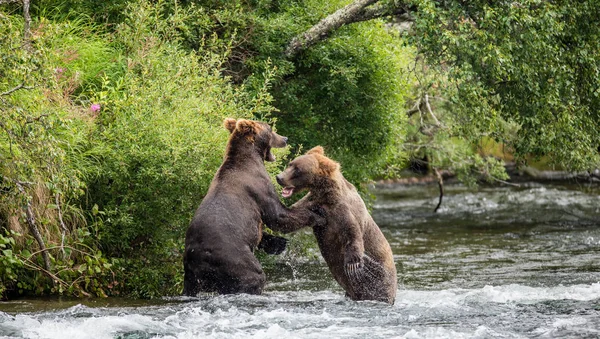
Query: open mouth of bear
[[269, 156], [287, 191]]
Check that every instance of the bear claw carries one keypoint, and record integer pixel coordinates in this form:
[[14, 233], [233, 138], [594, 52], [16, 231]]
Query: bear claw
[[353, 268]]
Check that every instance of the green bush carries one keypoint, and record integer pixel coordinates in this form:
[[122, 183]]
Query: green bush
[[115, 140], [161, 124], [346, 93], [44, 165]]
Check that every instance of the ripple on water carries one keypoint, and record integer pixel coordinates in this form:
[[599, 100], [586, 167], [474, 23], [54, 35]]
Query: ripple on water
[[409, 206]]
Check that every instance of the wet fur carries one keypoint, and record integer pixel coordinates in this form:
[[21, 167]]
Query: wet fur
[[356, 252], [227, 226]]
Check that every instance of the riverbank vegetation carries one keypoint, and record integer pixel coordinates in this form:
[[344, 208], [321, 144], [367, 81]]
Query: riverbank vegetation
[[110, 113]]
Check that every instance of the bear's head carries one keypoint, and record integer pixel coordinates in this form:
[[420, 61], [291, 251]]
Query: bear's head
[[311, 170], [256, 133]]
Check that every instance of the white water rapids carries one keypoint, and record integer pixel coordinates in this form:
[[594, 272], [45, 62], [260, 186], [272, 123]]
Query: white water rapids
[[512, 311]]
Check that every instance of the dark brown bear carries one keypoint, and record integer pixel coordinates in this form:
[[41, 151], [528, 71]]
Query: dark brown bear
[[357, 253], [227, 226]]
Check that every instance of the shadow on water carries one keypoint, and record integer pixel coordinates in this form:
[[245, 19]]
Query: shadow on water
[[500, 262]]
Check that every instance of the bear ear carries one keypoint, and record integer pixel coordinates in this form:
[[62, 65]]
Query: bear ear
[[245, 126], [327, 166], [316, 150], [229, 124]]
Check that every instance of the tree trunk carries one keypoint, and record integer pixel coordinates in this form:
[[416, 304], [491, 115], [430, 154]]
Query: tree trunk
[[27, 26]]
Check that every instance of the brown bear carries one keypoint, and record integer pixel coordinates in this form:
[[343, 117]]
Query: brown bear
[[227, 226], [357, 253]]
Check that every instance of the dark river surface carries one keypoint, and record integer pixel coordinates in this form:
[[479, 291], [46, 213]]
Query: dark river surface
[[501, 262]]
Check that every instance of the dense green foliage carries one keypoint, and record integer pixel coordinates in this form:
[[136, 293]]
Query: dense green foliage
[[121, 134], [347, 94], [524, 73], [43, 165]]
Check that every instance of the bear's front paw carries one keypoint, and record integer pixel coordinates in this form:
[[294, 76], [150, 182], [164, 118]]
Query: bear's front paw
[[353, 262], [272, 244]]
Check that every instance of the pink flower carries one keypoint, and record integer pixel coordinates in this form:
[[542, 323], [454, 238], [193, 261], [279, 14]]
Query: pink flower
[[95, 108], [59, 70]]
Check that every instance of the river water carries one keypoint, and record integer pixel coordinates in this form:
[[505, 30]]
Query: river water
[[493, 263]]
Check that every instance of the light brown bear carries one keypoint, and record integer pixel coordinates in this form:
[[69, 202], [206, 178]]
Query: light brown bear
[[357, 253]]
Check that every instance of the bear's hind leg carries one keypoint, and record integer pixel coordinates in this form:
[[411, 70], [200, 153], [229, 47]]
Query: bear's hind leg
[[191, 286], [246, 276], [371, 281]]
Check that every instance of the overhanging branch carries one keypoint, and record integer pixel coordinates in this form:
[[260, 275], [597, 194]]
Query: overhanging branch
[[381, 11], [358, 11], [324, 27]]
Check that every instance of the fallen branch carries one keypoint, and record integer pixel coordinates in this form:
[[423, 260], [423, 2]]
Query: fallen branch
[[536, 174]]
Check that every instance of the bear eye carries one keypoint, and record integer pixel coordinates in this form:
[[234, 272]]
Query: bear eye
[[296, 173]]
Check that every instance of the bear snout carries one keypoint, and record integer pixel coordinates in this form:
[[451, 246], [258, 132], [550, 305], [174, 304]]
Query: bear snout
[[279, 179], [278, 141]]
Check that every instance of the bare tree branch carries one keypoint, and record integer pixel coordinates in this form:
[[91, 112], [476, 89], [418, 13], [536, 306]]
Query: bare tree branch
[[27, 26], [358, 11], [437, 122], [30, 217], [27, 17], [62, 223], [22, 85]]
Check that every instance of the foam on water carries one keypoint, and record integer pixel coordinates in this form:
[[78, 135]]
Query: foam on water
[[498, 294], [454, 313]]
